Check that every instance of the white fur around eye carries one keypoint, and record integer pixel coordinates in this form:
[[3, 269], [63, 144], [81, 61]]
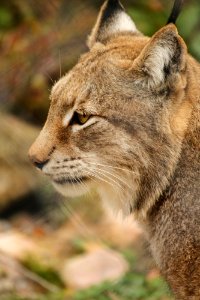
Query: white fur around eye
[[77, 127], [67, 118]]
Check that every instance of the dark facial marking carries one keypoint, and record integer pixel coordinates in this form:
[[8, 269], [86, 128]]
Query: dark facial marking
[[77, 180]]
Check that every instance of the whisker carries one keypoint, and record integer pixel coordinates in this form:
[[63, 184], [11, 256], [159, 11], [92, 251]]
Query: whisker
[[99, 176], [116, 177], [67, 212], [49, 77], [116, 168], [109, 166], [85, 185], [116, 184], [88, 233]]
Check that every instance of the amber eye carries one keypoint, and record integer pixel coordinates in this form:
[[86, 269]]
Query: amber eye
[[82, 118], [79, 118]]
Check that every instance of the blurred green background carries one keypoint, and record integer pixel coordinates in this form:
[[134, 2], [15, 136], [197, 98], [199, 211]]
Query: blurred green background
[[40, 231]]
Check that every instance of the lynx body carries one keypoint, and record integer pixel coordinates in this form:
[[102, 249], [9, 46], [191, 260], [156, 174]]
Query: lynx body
[[126, 119]]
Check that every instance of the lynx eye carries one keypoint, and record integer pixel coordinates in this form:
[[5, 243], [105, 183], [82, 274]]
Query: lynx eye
[[82, 118], [79, 118]]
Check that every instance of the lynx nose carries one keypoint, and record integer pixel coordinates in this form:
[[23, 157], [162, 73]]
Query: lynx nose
[[39, 164], [42, 149]]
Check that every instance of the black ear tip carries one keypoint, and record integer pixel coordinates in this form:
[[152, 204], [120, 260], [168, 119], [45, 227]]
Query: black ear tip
[[110, 9], [114, 4], [178, 4]]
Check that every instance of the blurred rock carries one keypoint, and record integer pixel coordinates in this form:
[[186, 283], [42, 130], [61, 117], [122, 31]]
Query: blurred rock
[[18, 177], [16, 244], [94, 268]]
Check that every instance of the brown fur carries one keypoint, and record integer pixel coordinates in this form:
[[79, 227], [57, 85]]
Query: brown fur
[[140, 147]]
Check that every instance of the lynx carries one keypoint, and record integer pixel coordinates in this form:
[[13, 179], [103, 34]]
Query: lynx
[[126, 120]]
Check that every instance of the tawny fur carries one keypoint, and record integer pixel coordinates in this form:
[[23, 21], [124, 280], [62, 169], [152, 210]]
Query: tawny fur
[[141, 146]]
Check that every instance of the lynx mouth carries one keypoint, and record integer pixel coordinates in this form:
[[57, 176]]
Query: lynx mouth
[[70, 181]]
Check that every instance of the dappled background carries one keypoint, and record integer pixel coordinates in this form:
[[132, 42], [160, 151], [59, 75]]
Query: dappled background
[[50, 247]]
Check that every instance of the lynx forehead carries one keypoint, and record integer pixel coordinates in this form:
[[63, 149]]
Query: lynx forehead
[[125, 120]]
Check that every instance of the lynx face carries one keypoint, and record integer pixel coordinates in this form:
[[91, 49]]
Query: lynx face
[[117, 119]]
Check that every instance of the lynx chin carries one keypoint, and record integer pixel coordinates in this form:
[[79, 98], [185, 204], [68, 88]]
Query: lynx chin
[[126, 120]]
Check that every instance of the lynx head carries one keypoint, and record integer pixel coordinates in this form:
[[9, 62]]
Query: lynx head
[[117, 119]]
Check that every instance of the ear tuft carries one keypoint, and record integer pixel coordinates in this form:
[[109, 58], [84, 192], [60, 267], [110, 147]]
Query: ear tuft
[[112, 19], [163, 56]]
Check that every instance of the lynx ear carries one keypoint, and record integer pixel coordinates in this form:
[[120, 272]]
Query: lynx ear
[[164, 55], [112, 19]]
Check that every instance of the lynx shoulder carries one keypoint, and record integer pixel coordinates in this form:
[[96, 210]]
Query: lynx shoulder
[[126, 119]]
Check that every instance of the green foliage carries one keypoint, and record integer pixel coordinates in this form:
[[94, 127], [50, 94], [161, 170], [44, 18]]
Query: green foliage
[[132, 286], [189, 25], [6, 18], [147, 22], [78, 245], [57, 296], [130, 256], [195, 46], [44, 271]]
